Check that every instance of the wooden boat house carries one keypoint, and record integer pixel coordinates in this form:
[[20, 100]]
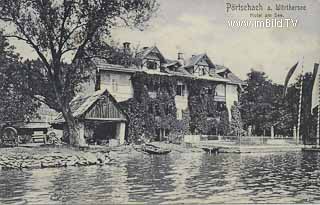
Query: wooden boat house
[[98, 116]]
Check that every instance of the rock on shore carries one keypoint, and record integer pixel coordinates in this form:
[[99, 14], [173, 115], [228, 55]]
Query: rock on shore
[[55, 159]]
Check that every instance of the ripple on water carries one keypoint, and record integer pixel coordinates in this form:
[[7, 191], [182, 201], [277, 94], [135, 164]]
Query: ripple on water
[[176, 178]]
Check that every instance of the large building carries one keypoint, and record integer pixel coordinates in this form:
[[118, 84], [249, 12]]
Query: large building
[[119, 81], [117, 78]]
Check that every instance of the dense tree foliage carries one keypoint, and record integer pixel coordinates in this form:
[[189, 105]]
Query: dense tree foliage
[[236, 124], [263, 106], [66, 34], [14, 105]]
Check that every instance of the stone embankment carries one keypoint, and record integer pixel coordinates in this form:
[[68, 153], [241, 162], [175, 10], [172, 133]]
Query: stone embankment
[[37, 159]]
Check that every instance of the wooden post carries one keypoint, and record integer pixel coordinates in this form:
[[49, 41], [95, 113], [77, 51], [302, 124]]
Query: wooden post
[[272, 132], [299, 111], [294, 133]]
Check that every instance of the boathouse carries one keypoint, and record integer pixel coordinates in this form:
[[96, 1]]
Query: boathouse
[[99, 118]]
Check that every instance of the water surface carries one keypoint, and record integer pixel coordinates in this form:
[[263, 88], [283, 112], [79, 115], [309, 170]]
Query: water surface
[[175, 178]]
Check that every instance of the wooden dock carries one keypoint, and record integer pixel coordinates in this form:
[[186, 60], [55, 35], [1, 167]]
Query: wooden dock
[[232, 148], [310, 149]]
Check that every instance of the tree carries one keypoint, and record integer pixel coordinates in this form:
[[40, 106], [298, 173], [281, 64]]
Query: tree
[[14, 105], [263, 105], [256, 102], [236, 126], [66, 34]]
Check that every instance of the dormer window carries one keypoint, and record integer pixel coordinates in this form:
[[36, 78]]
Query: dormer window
[[152, 65], [202, 71]]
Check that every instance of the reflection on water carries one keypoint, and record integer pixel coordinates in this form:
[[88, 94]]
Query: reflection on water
[[175, 178]]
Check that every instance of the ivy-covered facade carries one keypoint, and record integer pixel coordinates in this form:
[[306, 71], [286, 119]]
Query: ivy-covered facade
[[166, 99]]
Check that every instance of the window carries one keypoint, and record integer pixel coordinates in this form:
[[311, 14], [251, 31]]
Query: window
[[202, 71], [157, 110], [179, 114], [114, 85], [180, 90], [166, 109], [106, 78], [152, 65], [221, 106], [220, 90]]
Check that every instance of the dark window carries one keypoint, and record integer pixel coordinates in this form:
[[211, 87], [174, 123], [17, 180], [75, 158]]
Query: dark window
[[166, 110], [157, 110], [221, 106], [152, 65], [210, 91], [180, 90]]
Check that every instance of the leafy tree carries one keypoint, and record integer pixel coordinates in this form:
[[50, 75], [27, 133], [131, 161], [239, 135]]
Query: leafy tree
[[66, 34], [236, 126], [14, 105], [256, 102], [263, 105]]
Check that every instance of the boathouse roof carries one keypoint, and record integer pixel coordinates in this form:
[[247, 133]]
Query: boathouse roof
[[99, 105]]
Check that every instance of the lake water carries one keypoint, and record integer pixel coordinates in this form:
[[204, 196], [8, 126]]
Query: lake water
[[175, 178]]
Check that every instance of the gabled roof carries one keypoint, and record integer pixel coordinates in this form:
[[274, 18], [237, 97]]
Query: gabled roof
[[222, 70], [82, 103], [219, 73], [171, 63], [147, 50], [196, 58]]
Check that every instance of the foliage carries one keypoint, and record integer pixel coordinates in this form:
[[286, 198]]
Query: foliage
[[14, 105], [66, 35], [262, 105], [236, 127], [147, 114], [256, 101]]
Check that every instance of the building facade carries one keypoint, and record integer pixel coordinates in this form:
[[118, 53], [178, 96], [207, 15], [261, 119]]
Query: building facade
[[183, 91]]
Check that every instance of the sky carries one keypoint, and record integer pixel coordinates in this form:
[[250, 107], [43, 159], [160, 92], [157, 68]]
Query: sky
[[201, 26]]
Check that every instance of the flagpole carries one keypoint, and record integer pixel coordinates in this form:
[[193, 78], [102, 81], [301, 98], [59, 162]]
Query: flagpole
[[300, 102], [318, 120]]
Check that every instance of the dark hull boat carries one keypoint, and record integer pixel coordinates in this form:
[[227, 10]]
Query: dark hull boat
[[212, 150], [152, 149], [158, 152]]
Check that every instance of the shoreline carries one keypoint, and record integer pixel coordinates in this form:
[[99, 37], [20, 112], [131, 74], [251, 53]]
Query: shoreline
[[64, 156], [51, 157]]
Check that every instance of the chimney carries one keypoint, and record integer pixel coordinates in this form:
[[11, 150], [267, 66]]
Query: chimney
[[180, 56], [126, 47]]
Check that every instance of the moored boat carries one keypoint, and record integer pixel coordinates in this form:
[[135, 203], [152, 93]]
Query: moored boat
[[211, 150], [152, 149]]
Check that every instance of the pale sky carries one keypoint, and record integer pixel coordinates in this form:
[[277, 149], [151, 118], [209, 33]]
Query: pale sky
[[200, 26]]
